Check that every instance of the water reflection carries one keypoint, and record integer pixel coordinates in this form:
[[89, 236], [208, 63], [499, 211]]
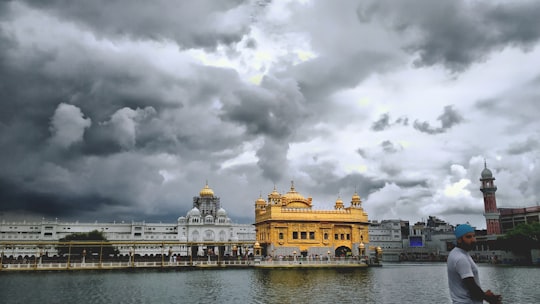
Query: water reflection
[[393, 283]]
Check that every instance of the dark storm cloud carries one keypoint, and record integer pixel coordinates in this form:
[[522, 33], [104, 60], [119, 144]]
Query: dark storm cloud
[[17, 198], [413, 183], [384, 123], [320, 77], [466, 210], [391, 169], [98, 125], [273, 159], [325, 181], [201, 23], [457, 33], [448, 118], [83, 129], [274, 112], [361, 152], [389, 147], [529, 145]]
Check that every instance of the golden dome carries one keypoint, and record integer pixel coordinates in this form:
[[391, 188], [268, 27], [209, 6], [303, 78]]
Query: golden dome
[[339, 203], [292, 195], [260, 201], [206, 191], [274, 194], [293, 199], [356, 201]]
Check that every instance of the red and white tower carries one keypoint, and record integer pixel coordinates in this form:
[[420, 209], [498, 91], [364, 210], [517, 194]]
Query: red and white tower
[[491, 213]]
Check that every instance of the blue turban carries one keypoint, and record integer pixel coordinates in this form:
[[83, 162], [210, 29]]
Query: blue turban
[[463, 229]]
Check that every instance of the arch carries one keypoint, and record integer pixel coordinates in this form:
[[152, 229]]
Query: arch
[[208, 235], [222, 235], [342, 251]]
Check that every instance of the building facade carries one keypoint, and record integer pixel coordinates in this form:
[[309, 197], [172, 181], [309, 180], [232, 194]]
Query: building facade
[[286, 224], [206, 222], [387, 234], [511, 217]]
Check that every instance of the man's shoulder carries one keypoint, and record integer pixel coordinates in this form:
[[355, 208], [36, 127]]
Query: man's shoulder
[[456, 254]]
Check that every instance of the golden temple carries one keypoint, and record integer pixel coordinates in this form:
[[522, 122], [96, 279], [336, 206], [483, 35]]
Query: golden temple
[[288, 225]]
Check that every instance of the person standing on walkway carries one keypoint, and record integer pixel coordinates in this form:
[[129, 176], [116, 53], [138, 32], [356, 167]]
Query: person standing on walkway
[[463, 279]]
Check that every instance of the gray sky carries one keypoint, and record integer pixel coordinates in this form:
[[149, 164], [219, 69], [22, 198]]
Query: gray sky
[[123, 110]]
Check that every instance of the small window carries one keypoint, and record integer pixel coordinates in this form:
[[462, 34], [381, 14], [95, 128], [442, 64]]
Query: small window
[[348, 236], [312, 235], [303, 235], [295, 235], [342, 236], [326, 236], [281, 235], [336, 236]]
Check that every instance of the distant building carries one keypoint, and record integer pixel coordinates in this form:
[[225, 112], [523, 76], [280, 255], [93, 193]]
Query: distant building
[[286, 224], [387, 234], [491, 213], [511, 217], [205, 222], [502, 220]]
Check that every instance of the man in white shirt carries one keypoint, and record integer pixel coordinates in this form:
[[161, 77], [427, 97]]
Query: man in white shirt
[[463, 279]]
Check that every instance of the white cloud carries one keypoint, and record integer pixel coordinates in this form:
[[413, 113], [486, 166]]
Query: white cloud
[[67, 125]]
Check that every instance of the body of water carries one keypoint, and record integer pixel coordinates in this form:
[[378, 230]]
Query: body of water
[[392, 283]]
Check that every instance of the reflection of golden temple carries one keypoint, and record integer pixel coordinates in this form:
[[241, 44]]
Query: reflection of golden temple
[[287, 223]]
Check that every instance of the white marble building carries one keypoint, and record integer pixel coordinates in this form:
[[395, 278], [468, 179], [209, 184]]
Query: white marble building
[[205, 222]]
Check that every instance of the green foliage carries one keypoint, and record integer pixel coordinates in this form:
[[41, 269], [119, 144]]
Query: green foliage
[[93, 235], [522, 238], [78, 246]]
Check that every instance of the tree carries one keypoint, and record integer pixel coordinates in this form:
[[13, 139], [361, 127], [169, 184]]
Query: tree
[[522, 239], [79, 245]]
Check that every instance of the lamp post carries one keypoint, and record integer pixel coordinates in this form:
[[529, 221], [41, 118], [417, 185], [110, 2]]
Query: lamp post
[[162, 257], [131, 259], [294, 256], [83, 256], [36, 258], [328, 253]]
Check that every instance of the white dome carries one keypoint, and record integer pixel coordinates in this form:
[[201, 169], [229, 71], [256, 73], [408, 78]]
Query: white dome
[[194, 212], [181, 219], [221, 212]]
